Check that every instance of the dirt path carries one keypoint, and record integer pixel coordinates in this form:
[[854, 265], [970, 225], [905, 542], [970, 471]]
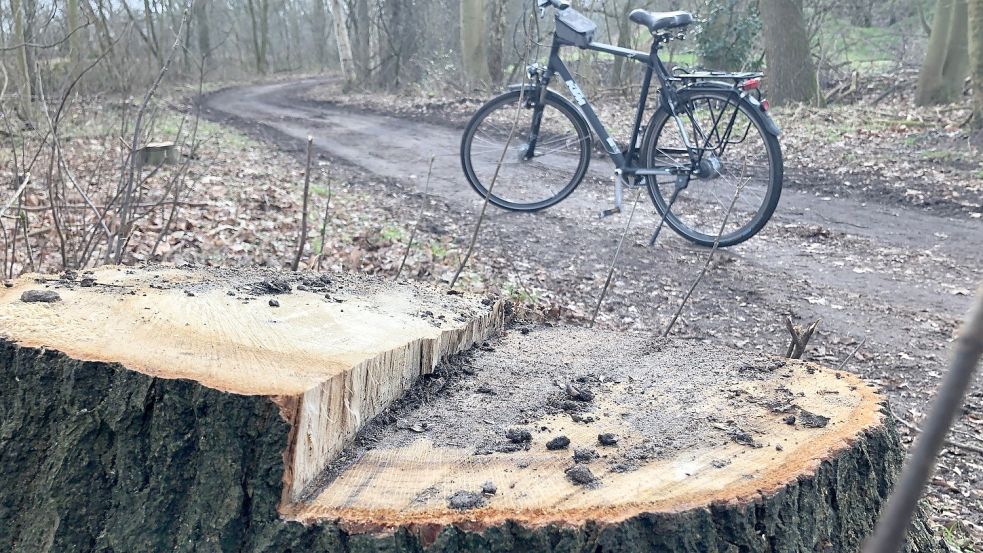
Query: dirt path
[[901, 277]]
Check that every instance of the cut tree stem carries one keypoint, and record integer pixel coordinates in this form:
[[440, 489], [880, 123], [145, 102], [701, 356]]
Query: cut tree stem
[[423, 204], [307, 193]]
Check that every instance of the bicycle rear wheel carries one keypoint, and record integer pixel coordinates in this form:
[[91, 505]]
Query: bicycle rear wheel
[[747, 154], [559, 159]]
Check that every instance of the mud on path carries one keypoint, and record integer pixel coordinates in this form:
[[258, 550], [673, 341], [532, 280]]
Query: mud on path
[[900, 277]]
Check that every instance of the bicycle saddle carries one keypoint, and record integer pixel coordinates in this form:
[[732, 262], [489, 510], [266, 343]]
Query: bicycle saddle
[[656, 21]]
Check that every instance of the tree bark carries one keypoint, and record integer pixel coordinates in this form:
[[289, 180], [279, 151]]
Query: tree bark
[[109, 459], [473, 40], [930, 75], [260, 31], [976, 59], [152, 33], [496, 41], [204, 32], [23, 74], [75, 42], [947, 57], [319, 27], [360, 28], [339, 15], [791, 71], [956, 65]]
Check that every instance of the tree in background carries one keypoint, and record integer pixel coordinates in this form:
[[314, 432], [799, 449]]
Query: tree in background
[[728, 35], [260, 31], [496, 41], [791, 71], [343, 38], [24, 81], [976, 59], [474, 55], [947, 58]]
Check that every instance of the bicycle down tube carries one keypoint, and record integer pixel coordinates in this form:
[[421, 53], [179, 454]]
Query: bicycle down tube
[[625, 165]]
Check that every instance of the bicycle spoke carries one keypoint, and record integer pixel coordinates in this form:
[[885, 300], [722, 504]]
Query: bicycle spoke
[[553, 167], [731, 150]]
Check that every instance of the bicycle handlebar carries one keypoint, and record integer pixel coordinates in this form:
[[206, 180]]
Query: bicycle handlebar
[[558, 4]]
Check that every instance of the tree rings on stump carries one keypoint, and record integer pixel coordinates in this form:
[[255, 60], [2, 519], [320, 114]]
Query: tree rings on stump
[[167, 409]]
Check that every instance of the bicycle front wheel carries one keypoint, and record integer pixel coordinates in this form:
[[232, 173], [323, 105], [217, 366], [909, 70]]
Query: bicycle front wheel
[[532, 174], [734, 148]]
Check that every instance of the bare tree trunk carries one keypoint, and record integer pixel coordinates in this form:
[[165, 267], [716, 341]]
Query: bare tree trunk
[[976, 59], [319, 28], [496, 41], [204, 33], [339, 14], [791, 71], [930, 76], [391, 46], [152, 32], [360, 39], [264, 29], [24, 91], [947, 58], [259, 32], [75, 40], [956, 65], [473, 44], [624, 27]]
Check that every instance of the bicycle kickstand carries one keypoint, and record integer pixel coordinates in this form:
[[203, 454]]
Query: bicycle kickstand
[[618, 188]]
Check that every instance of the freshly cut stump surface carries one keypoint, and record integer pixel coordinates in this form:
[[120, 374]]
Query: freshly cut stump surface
[[333, 352], [731, 450], [162, 409]]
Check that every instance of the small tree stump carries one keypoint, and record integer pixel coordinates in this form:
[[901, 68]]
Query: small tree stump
[[157, 153], [169, 410]]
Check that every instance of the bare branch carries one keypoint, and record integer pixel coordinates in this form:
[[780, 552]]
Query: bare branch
[[55, 44], [713, 250], [892, 528], [614, 261], [498, 167], [305, 214], [423, 204]]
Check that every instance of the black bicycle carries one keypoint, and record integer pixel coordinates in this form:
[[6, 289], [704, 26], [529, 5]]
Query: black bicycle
[[710, 136]]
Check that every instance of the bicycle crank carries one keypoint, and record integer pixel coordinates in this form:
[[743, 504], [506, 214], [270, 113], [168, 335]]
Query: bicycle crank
[[619, 184]]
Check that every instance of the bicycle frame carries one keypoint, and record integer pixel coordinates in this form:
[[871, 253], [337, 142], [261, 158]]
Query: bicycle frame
[[625, 162], [653, 67]]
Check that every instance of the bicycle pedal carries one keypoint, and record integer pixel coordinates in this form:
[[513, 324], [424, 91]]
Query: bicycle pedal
[[609, 212]]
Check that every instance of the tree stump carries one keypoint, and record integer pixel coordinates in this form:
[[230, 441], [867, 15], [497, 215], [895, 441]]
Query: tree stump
[[156, 153], [181, 410]]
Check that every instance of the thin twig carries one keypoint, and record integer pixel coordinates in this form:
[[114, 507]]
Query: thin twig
[[713, 250], [498, 167], [852, 353], [614, 261], [891, 530], [423, 204], [324, 226], [303, 220], [125, 205], [182, 173]]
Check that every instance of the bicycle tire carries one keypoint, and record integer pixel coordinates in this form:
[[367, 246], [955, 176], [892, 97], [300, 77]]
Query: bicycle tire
[[775, 162], [552, 100]]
